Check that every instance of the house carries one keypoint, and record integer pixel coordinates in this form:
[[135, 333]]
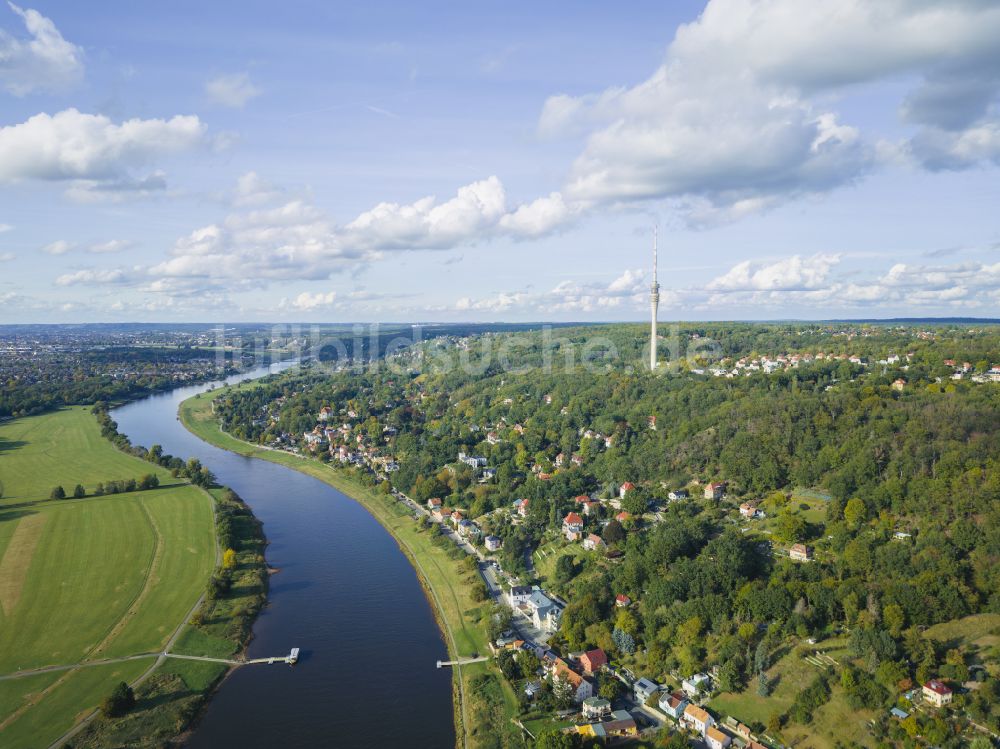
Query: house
[[572, 526], [625, 489], [560, 459], [644, 689], [717, 739], [621, 724], [800, 553], [532, 688], [492, 543], [433, 503], [593, 542], [899, 385], [457, 517], [595, 708], [622, 600], [593, 660], [545, 614], [899, 714], [715, 490], [473, 461], [468, 529], [582, 688], [673, 704], [748, 510], [588, 506], [678, 494], [696, 719], [651, 422], [937, 693], [695, 685], [325, 413], [522, 507], [519, 594], [622, 516]]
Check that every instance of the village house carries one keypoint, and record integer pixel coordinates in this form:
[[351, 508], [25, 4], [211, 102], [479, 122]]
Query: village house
[[521, 506], [800, 553], [696, 719], [622, 600], [621, 724], [457, 517], [937, 693], [644, 689], [582, 688], [439, 514], [593, 542], [622, 516], [625, 489], [468, 529], [572, 526], [593, 661], [492, 543], [899, 385], [748, 510], [433, 503], [716, 739], [519, 594], [696, 684], [673, 704], [325, 413], [678, 494], [545, 614], [715, 490], [560, 459], [595, 708]]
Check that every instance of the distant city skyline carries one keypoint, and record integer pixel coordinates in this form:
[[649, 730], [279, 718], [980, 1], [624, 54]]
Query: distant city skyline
[[393, 162]]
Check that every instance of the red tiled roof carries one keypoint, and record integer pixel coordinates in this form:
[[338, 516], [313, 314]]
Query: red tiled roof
[[938, 686]]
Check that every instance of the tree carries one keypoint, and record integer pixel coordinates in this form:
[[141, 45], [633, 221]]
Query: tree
[[149, 481], [613, 533], [119, 702], [894, 619], [763, 684], [228, 559], [761, 657], [624, 642], [79, 492], [554, 740], [58, 493], [565, 569], [609, 688], [855, 512], [562, 693]]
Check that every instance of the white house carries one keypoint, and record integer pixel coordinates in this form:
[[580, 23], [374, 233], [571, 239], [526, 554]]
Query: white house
[[693, 685], [717, 739], [644, 689], [519, 594], [492, 543], [595, 708], [593, 542], [673, 704], [696, 719]]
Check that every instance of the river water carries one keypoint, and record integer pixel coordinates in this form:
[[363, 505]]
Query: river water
[[345, 595]]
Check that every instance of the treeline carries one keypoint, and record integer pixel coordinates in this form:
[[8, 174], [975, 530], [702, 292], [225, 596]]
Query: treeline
[[117, 486], [192, 469]]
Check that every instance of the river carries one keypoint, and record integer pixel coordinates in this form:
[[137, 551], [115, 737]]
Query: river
[[345, 594]]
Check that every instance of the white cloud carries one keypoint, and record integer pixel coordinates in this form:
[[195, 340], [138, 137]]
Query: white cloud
[[306, 302], [6, 257], [59, 247], [739, 117], [5, 228], [788, 274], [71, 145], [94, 276], [231, 90], [538, 218], [46, 61], [113, 245], [252, 189]]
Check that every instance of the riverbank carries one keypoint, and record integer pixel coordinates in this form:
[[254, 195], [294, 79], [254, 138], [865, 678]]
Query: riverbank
[[484, 703]]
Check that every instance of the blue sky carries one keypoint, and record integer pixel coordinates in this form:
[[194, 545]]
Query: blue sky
[[433, 161]]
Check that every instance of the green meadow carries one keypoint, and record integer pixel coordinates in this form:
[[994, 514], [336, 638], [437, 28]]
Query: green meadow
[[87, 579]]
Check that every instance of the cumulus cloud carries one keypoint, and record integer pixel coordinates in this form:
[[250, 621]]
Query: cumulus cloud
[[231, 90], [6, 257], [59, 247], [112, 245], [789, 274], [306, 302], [91, 150], [5, 228], [44, 62], [95, 276], [252, 189], [738, 117]]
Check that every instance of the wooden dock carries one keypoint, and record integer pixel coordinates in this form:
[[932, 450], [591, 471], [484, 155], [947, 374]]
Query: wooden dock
[[462, 661]]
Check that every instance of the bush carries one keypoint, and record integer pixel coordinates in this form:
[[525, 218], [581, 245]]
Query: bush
[[119, 702], [58, 493]]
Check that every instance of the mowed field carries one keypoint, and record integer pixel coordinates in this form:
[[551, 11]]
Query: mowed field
[[88, 579]]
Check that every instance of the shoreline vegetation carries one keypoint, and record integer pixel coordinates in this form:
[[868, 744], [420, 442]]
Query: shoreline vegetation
[[484, 705], [169, 702]]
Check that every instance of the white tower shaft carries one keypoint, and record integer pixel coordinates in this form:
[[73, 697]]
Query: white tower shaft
[[654, 303]]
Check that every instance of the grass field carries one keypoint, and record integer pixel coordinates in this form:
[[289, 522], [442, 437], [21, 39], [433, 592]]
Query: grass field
[[87, 579], [446, 577], [64, 447]]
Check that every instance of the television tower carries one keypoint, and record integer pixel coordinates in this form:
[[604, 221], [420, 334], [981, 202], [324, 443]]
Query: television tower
[[654, 303]]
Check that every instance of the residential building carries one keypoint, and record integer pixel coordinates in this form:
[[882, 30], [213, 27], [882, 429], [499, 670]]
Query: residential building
[[937, 693], [621, 724], [696, 684], [593, 660], [717, 739], [582, 688], [625, 489], [492, 543], [593, 542], [678, 494], [433, 503], [595, 708], [673, 704], [800, 553], [696, 719], [644, 689], [572, 526], [519, 594], [748, 510], [622, 600], [522, 507], [715, 490]]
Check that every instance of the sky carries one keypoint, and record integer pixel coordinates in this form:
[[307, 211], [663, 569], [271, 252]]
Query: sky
[[318, 161]]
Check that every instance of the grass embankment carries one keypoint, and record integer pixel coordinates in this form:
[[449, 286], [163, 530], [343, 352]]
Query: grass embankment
[[485, 703], [93, 578]]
